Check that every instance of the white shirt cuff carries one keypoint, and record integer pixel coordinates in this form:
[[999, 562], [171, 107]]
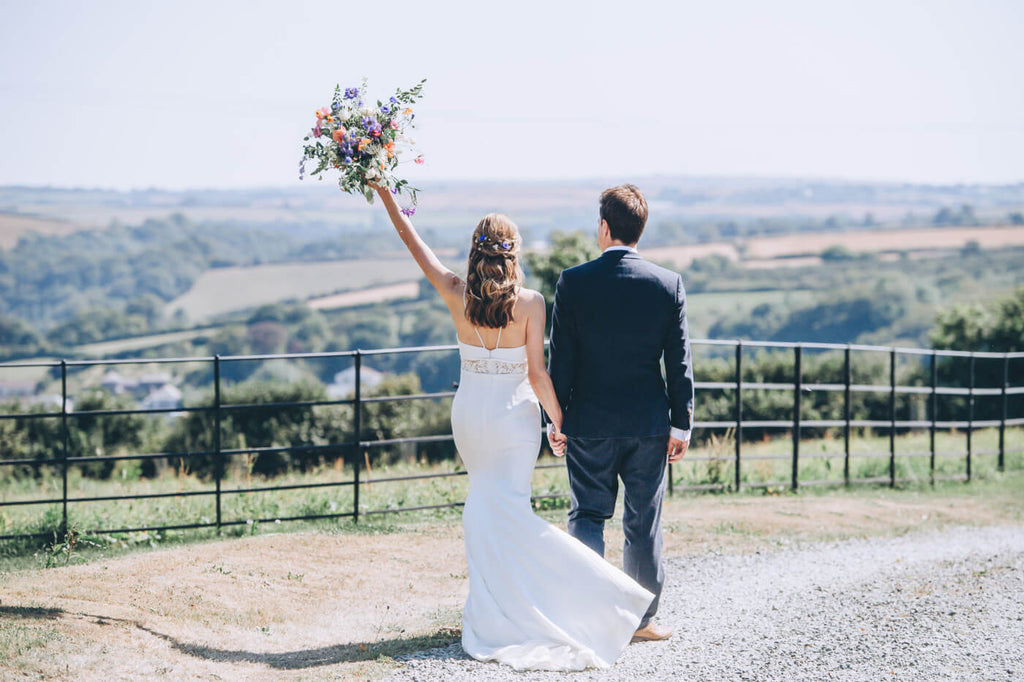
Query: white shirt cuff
[[680, 434]]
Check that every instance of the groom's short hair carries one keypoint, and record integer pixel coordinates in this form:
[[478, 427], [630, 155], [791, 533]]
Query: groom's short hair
[[625, 210]]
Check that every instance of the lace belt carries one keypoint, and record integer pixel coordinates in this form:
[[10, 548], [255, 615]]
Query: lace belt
[[492, 366]]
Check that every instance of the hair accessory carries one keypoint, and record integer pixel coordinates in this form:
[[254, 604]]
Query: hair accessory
[[503, 245]]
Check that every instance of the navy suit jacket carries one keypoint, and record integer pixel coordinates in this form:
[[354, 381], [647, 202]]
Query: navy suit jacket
[[615, 318]]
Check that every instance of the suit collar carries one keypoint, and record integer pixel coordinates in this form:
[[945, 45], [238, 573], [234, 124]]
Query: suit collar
[[620, 254]]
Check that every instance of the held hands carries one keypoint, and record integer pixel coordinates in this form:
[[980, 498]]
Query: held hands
[[676, 449], [557, 440]]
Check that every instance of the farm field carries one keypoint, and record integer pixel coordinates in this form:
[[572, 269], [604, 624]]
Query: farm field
[[12, 227], [886, 240], [795, 248], [226, 289], [388, 292]]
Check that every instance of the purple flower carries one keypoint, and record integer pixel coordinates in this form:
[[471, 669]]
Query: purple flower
[[408, 211], [385, 109], [506, 245], [393, 100], [351, 93]]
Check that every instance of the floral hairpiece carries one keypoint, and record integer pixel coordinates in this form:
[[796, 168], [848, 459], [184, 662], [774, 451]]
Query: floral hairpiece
[[504, 244]]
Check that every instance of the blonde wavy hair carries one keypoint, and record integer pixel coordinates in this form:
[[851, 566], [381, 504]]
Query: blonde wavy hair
[[493, 275]]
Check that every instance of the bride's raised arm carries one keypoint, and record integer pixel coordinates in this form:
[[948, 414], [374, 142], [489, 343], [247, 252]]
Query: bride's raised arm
[[447, 283]]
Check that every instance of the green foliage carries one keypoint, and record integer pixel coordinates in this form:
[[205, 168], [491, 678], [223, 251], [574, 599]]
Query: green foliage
[[97, 324], [107, 435], [567, 250], [947, 216], [253, 420], [18, 339], [997, 326]]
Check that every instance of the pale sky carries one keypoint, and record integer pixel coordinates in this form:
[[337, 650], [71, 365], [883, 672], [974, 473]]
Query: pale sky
[[219, 93]]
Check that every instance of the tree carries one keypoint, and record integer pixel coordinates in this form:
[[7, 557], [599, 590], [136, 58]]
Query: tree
[[996, 327], [567, 249]]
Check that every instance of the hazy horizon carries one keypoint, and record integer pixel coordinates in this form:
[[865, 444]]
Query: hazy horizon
[[193, 95]]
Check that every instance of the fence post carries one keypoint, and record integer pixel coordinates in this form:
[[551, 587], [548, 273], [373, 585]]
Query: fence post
[[357, 424], [892, 418], [934, 399], [218, 465], [847, 379], [1002, 420], [970, 414], [64, 445], [797, 388], [739, 409]]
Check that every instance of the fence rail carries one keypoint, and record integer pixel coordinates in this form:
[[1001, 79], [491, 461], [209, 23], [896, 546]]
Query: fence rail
[[356, 451]]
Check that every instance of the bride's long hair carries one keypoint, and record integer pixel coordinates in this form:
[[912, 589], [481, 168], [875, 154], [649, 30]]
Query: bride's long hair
[[493, 277]]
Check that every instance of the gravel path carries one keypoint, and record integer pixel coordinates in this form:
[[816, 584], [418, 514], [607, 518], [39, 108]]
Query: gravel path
[[940, 606]]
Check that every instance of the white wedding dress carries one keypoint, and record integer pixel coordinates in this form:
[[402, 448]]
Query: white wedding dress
[[538, 598]]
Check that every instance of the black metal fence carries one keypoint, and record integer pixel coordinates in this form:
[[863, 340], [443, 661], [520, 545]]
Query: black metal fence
[[355, 451]]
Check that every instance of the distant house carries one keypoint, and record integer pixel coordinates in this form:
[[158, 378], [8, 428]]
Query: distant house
[[167, 397], [148, 383], [116, 384], [136, 386], [344, 383]]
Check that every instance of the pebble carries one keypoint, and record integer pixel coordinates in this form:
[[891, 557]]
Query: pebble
[[943, 605]]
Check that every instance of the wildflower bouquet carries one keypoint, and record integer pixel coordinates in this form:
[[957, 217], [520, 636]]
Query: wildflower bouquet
[[363, 141]]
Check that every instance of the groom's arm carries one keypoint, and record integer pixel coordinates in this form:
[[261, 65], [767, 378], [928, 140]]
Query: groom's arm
[[562, 350], [679, 367]]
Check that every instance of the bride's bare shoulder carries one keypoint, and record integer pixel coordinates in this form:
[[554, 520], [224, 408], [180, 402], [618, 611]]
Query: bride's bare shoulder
[[530, 297], [531, 303]]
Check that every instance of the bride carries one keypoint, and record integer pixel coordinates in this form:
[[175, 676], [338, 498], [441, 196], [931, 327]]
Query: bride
[[538, 598]]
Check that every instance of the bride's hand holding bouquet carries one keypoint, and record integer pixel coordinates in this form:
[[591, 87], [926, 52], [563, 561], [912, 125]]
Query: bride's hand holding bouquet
[[364, 142]]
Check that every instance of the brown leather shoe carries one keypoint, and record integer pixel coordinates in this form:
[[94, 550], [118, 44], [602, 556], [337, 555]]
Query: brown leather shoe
[[651, 632]]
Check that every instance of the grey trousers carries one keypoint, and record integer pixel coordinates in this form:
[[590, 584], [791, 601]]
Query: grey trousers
[[595, 466]]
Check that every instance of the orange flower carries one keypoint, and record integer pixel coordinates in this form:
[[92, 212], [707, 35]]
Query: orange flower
[[407, 112], [363, 141], [338, 134]]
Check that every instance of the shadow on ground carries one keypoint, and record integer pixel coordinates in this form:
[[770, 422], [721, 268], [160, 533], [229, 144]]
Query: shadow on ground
[[350, 652]]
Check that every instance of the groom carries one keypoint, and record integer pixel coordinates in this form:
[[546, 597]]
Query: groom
[[614, 320]]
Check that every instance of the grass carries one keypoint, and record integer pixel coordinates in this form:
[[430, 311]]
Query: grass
[[822, 459], [710, 464], [17, 639]]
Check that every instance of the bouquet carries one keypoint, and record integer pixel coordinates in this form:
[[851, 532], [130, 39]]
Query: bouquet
[[364, 142]]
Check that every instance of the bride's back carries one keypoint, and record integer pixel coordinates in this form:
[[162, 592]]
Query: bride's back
[[513, 334]]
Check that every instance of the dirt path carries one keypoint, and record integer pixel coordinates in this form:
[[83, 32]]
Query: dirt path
[[317, 605]]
